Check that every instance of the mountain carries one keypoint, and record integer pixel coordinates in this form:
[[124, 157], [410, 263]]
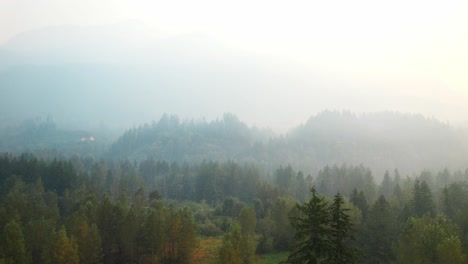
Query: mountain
[[382, 141], [194, 141], [46, 140], [125, 74], [116, 74]]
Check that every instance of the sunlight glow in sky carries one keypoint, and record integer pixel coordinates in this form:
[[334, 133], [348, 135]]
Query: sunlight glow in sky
[[421, 46]]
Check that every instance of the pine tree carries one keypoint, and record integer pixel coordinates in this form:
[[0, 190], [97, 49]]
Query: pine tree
[[153, 235], [422, 199], [387, 186], [322, 232], [90, 248], [312, 239], [379, 233], [62, 249], [341, 233], [360, 201]]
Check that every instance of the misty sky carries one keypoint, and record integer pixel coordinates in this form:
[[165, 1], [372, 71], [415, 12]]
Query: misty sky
[[409, 56]]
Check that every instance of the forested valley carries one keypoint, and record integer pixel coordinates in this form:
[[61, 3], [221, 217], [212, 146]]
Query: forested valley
[[233, 132], [83, 210]]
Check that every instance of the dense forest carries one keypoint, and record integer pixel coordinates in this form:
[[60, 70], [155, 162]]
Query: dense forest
[[83, 210], [340, 188], [233, 132], [381, 140]]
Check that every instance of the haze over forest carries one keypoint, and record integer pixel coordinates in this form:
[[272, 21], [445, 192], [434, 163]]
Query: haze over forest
[[244, 132], [108, 79]]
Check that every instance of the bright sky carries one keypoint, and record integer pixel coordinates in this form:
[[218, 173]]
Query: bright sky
[[420, 46]]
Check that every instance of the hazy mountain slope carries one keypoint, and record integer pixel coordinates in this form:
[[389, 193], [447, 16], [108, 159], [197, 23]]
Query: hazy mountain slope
[[174, 140], [381, 141], [125, 74], [47, 141]]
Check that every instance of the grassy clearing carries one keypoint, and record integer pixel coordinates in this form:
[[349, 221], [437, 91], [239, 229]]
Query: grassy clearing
[[273, 258], [207, 252]]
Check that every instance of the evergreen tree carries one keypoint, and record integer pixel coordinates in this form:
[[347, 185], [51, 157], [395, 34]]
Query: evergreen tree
[[322, 232], [379, 233], [14, 248], [89, 244], [173, 226], [386, 188], [341, 233], [312, 239], [396, 177], [422, 199], [360, 201], [39, 232], [153, 235], [62, 250], [397, 191]]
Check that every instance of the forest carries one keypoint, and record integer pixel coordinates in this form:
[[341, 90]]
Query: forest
[[83, 210], [379, 140], [233, 132]]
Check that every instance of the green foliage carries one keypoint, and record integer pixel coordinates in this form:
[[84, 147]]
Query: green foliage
[[274, 258], [387, 187], [61, 249], [422, 199], [230, 251], [39, 232], [13, 244], [108, 216], [248, 223], [449, 251], [239, 243], [379, 233], [321, 232], [360, 201], [283, 232], [248, 220], [153, 233], [341, 233], [344, 179], [187, 237], [430, 240], [91, 250]]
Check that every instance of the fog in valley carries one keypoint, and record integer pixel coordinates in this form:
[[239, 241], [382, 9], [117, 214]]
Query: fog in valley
[[224, 116]]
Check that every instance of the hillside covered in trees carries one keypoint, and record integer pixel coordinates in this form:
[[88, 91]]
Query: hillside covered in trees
[[380, 140]]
